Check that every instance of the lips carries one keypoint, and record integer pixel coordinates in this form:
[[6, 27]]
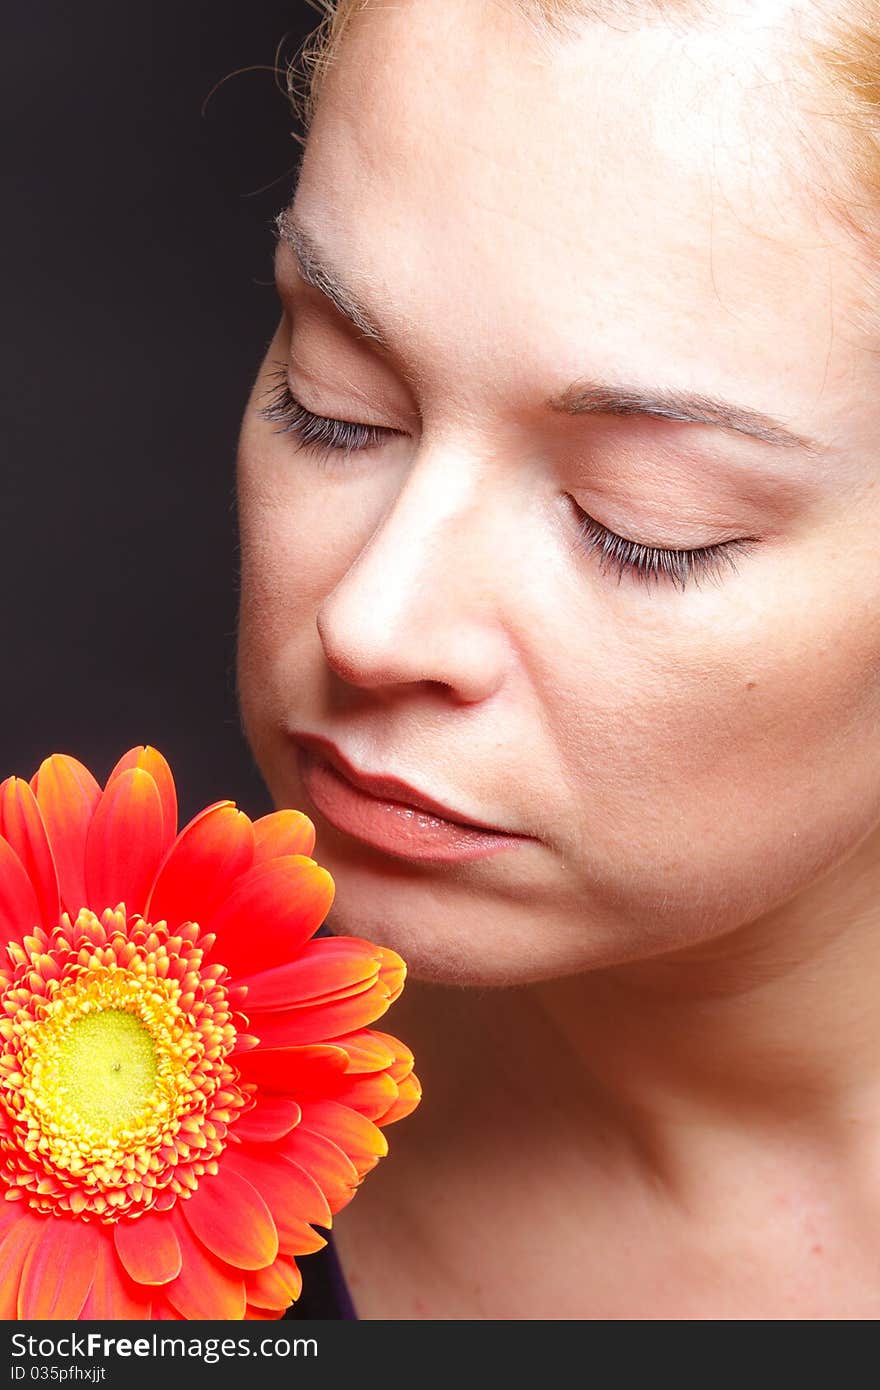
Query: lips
[[387, 788]]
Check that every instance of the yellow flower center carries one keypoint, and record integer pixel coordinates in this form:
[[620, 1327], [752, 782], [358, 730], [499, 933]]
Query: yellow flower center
[[116, 1082], [104, 1069], [106, 1066]]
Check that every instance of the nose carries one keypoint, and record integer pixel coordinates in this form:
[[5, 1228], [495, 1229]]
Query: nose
[[421, 601]]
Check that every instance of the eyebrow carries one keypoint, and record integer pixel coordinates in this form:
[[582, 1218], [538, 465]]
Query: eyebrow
[[315, 269], [582, 397]]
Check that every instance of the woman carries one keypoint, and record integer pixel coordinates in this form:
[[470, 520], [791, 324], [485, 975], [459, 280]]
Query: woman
[[560, 615]]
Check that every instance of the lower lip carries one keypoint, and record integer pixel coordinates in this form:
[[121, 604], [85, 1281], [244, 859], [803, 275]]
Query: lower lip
[[393, 826]]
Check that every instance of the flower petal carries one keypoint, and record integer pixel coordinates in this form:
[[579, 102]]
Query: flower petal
[[214, 849], [356, 1136], [15, 1246], [331, 1169], [403, 1061], [113, 1294], [253, 1314], [310, 1199], [300, 1072], [409, 1093], [152, 761], [314, 1023], [325, 967], [10, 1213], [67, 795], [231, 1220], [58, 1271], [22, 826], [124, 842], [272, 910], [292, 1201], [163, 1312], [371, 1095], [148, 1249], [275, 1287], [370, 1050], [283, 832], [348, 1008], [271, 1118], [205, 1288], [393, 971], [19, 909]]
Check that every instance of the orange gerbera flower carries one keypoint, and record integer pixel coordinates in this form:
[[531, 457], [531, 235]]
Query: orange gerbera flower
[[163, 1154]]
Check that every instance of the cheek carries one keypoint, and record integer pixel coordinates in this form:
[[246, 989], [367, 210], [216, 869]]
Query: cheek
[[795, 707], [295, 534], [722, 764], [283, 565], [286, 568]]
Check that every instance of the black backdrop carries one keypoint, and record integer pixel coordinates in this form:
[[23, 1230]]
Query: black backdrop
[[136, 254]]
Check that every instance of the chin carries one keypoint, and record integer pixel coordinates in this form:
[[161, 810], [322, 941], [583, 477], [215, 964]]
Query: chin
[[449, 926], [442, 960], [437, 958], [446, 934]]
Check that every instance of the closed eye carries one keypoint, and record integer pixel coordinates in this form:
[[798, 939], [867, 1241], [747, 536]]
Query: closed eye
[[325, 436], [646, 562], [319, 434]]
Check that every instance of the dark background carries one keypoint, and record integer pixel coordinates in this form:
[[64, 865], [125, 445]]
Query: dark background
[[137, 253]]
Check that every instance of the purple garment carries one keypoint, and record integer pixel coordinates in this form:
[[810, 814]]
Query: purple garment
[[324, 1293]]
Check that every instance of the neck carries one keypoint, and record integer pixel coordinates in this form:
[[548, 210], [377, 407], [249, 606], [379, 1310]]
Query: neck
[[690, 1134], [768, 1037]]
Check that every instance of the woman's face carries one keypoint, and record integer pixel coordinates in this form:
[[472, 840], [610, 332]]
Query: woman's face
[[617, 222]]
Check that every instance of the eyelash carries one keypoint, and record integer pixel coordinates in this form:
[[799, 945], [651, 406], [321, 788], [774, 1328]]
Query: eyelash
[[315, 433], [319, 435], [647, 562]]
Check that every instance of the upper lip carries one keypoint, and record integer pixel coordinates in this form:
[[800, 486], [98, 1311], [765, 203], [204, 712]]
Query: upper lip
[[387, 788]]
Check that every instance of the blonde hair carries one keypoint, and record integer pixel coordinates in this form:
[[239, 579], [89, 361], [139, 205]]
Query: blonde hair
[[841, 62]]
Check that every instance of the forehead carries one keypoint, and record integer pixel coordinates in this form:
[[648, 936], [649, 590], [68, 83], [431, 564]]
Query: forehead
[[605, 200]]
